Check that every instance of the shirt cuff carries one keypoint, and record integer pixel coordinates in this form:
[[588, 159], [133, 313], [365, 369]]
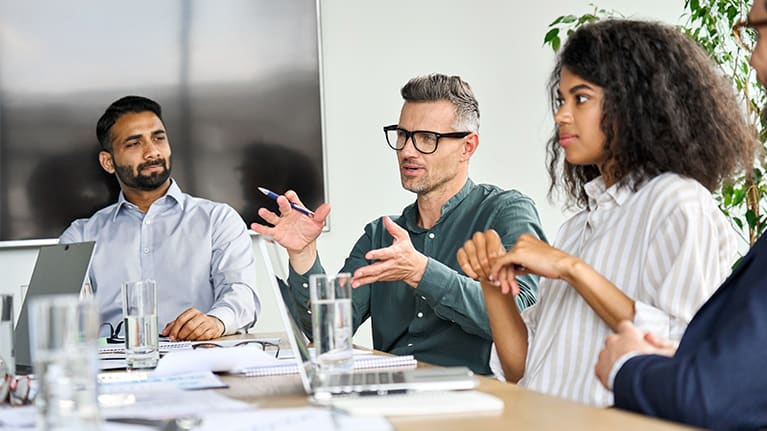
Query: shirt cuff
[[226, 316], [302, 280], [435, 278], [650, 319], [617, 367]]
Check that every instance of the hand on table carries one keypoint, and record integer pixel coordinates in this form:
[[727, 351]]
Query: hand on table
[[193, 325], [628, 339]]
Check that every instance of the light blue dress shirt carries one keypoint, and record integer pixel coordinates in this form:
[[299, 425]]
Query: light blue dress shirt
[[197, 251]]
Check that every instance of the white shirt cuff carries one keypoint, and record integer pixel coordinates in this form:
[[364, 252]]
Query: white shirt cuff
[[617, 366]]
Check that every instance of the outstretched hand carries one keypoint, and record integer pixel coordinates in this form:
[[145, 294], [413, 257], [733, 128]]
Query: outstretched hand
[[398, 262], [292, 229]]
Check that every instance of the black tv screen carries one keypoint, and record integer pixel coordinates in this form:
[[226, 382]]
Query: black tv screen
[[238, 81]]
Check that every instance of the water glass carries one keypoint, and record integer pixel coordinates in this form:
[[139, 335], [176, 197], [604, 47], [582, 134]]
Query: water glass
[[63, 333], [331, 298], [140, 322], [7, 354]]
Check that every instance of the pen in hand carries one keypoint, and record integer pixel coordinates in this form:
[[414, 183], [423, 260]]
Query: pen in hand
[[295, 206]]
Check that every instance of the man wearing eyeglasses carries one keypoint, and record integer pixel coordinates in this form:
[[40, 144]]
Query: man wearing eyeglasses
[[715, 378], [405, 273]]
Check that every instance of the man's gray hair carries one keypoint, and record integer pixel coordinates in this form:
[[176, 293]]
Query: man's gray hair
[[437, 87]]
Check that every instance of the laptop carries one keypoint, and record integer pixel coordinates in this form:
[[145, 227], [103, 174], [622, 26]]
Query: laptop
[[59, 269], [378, 382]]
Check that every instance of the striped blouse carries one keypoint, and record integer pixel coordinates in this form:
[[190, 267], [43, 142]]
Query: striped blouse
[[667, 246]]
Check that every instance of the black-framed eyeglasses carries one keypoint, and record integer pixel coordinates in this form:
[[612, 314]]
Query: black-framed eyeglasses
[[425, 141], [114, 332], [746, 33], [266, 346]]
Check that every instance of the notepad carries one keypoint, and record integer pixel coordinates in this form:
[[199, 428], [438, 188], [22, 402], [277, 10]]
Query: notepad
[[111, 383], [419, 403], [164, 347], [361, 362]]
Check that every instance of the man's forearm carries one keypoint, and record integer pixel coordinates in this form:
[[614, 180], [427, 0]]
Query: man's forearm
[[302, 260]]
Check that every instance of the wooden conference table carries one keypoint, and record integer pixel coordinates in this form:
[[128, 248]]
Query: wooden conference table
[[523, 409]]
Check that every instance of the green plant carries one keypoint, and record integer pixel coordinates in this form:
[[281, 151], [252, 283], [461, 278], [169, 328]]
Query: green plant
[[710, 23], [568, 24]]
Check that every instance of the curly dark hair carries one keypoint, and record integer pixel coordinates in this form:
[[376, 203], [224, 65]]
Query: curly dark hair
[[666, 108]]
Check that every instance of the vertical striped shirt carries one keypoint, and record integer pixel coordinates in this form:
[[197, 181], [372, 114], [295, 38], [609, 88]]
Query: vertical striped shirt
[[667, 246]]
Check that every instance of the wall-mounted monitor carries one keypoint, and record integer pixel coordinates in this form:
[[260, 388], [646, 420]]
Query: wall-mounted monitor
[[239, 82]]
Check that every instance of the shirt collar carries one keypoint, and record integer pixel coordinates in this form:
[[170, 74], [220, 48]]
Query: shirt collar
[[410, 213], [599, 194], [173, 194]]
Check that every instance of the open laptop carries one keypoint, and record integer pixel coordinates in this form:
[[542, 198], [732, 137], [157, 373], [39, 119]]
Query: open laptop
[[379, 382], [59, 269]]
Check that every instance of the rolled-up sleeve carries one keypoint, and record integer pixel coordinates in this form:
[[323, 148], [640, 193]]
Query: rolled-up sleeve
[[686, 261]]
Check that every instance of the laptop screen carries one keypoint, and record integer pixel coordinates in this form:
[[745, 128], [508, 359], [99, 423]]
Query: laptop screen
[[59, 269], [295, 336]]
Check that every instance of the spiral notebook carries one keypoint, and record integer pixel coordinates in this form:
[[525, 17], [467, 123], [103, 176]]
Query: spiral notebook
[[361, 362]]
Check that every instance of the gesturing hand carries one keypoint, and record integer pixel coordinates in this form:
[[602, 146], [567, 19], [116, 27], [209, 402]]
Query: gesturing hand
[[398, 262], [292, 229]]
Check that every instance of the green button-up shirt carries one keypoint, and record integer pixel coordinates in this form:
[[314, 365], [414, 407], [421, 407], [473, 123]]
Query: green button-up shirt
[[444, 320]]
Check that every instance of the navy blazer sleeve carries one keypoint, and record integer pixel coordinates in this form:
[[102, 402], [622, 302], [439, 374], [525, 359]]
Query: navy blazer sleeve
[[718, 377]]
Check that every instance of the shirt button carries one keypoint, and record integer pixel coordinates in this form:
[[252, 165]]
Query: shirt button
[[147, 221], [410, 344], [420, 314], [305, 285], [431, 235], [423, 297], [146, 251]]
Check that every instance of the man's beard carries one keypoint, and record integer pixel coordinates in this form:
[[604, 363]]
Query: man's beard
[[144, 182], [426, 185]]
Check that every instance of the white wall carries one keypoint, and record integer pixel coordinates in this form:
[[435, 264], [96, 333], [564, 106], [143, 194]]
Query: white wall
[[370, 49]]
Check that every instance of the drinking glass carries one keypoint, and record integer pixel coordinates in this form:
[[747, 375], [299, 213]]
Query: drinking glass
[[63, 337], [7, 354], [331, 299], [140, 322]]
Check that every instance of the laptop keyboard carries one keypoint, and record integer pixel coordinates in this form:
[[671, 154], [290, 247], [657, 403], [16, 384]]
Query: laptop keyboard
[[371, 378]]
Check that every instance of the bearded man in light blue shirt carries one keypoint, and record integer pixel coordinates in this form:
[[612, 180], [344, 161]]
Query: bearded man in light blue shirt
[[198, 251]]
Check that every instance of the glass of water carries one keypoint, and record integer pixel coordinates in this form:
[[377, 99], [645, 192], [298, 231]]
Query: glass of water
[[7, 354], [140, 322], [63, 334], [332, 321]]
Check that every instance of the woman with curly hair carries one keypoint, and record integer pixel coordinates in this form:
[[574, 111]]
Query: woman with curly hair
[[646, 128]]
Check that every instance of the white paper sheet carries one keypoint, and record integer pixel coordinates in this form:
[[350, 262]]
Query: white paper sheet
[[293, 419], [131, 382], [167, 404], [216, 359]]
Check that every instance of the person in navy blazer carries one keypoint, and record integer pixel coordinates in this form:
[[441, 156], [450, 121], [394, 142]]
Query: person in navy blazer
[[717, 377]]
